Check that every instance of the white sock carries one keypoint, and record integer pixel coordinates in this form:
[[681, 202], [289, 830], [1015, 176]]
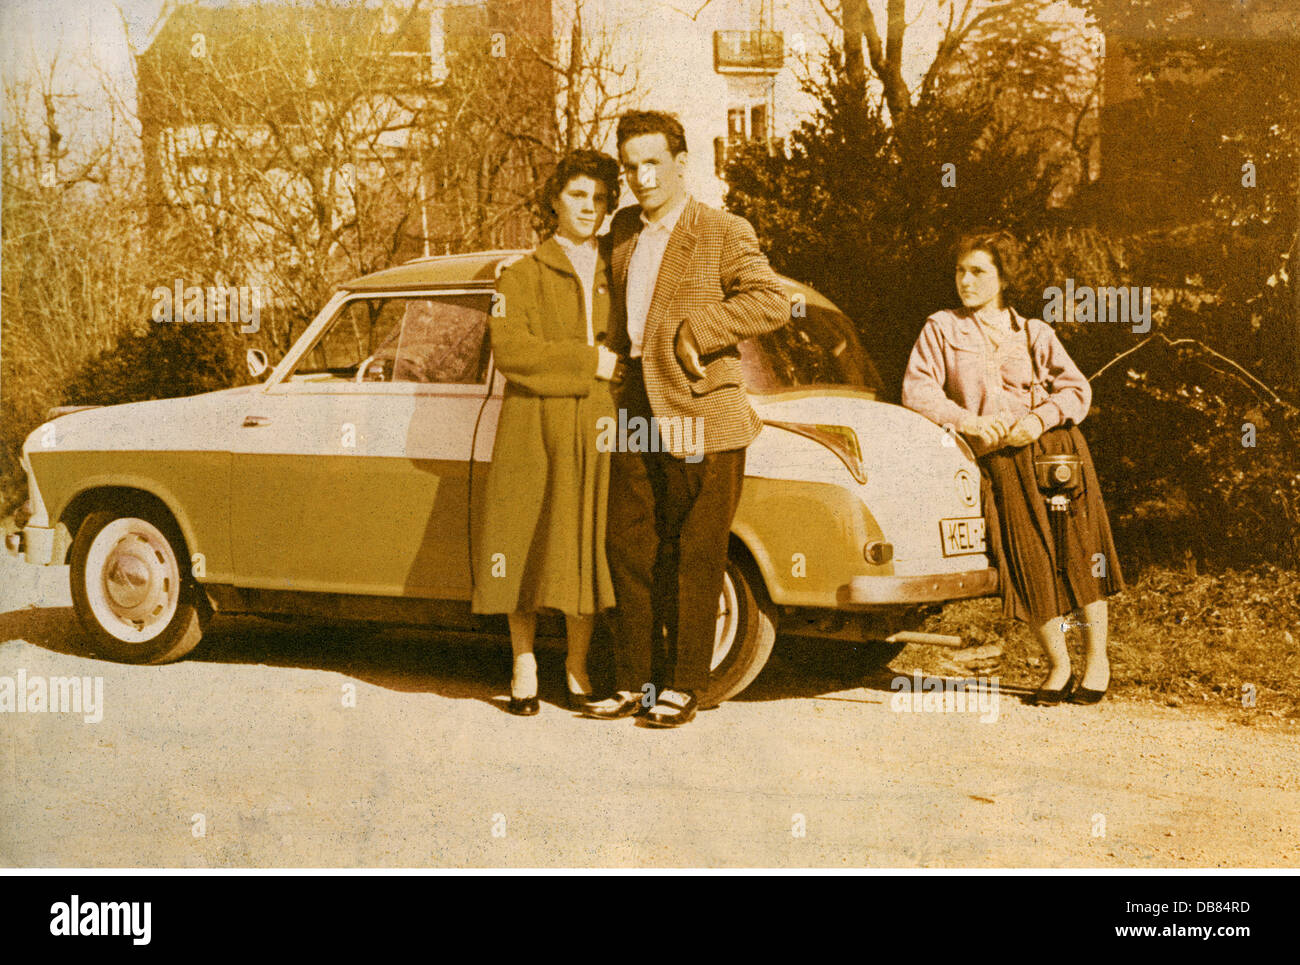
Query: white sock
[[579, 681], [523, 681]]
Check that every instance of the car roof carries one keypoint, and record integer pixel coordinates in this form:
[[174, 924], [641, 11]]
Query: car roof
[[436, 271], [478, 269]]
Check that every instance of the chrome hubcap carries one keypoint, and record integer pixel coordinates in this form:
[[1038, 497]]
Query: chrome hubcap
[[136, 580], [132, 580], [128, 580]]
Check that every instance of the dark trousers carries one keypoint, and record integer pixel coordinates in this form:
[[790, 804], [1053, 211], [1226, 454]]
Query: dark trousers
[[667, 539]]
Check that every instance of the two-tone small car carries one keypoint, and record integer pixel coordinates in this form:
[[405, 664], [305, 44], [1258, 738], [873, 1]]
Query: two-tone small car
[[345, 485]]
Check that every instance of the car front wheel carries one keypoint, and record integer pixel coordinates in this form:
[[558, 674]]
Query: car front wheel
[[746, 633], [130, 593]]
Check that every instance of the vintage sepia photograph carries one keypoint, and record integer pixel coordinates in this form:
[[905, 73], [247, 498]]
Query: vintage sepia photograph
[[650, 434]]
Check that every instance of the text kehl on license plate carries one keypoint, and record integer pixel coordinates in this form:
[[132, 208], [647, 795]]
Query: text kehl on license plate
[[962, 536]]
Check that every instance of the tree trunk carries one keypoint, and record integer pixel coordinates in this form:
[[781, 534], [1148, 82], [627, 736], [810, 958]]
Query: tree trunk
[[571, 91], [886, 56], [1293, 279], [854, 65]]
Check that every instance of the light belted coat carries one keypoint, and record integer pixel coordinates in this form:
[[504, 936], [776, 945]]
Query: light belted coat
[[539, 538]]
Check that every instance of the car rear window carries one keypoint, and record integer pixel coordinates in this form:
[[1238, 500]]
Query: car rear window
[[819, 349]]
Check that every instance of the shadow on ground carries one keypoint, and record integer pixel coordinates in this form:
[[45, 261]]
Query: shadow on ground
[[458, 665]]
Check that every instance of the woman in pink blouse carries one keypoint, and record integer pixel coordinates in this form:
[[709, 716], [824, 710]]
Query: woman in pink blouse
[[1007, 385]]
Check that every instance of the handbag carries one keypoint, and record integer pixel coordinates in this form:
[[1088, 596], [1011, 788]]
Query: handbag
[[1057, 474]]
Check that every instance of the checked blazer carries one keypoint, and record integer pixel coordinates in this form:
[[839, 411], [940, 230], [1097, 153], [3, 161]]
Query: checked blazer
[[715, 278]]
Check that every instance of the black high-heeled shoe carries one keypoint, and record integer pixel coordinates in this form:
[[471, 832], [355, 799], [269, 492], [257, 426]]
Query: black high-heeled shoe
[[1086, 695], [1050, 698]]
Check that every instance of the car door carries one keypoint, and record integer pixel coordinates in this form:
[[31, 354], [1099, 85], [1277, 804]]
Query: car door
[[351, 473]]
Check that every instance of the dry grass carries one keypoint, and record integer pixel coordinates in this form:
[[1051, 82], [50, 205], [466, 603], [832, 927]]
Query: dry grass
[[1175, 638]]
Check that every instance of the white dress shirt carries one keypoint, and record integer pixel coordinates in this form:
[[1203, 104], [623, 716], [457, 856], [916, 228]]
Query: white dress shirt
[[583, 259], [643, 271]]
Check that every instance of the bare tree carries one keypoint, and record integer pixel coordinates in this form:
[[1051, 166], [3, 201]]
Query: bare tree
[[594, 87], [282, 143], [1044, 74], [298, 144], [71, 272]]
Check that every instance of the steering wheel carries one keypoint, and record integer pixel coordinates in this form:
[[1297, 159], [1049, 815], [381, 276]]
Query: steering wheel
[[364, 367]]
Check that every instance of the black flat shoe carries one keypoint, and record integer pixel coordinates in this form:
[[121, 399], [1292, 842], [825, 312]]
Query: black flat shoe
[[524, 706], [623, 706], [580, 701], [1050, 698], [679, 711], [1083, 695]]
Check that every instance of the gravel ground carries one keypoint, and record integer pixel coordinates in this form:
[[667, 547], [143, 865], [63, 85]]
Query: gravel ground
[[251, 742]]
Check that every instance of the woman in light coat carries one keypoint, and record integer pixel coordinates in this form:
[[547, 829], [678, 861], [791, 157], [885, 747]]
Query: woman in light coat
[[541, 543]]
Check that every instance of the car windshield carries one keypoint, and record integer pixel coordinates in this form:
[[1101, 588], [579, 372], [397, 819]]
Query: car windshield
[[818, 349]]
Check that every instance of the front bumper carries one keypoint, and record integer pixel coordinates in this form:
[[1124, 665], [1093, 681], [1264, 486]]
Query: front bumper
[[872, 591], [35, 544]]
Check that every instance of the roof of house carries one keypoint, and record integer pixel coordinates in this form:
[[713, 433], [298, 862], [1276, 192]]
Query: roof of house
[[251, 23]]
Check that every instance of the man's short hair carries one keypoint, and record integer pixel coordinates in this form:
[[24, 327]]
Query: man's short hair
[[635, 123]]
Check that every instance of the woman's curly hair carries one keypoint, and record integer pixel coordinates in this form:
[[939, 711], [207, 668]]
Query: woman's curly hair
[[600, 167]]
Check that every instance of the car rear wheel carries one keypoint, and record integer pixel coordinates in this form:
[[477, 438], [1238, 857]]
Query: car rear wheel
[[746, 633], [131, 589]]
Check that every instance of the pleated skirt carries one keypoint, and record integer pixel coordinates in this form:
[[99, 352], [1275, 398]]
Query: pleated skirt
[[1034, 588]]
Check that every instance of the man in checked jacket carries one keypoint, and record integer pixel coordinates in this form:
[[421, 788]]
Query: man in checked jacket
[[690, 282]]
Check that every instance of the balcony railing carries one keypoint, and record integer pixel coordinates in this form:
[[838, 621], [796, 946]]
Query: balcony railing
[[748, 51]]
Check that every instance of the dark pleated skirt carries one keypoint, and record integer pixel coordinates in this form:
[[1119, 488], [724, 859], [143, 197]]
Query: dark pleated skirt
[[1020, 535]]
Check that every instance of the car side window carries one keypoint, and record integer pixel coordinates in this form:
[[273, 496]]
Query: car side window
[[427, 339], [816, 349], [443, 339], [356, 333]]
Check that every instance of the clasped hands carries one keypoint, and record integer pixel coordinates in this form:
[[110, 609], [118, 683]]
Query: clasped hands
[[996, 431]]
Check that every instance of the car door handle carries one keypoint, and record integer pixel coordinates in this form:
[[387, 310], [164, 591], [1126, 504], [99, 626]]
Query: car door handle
[[252, 421]]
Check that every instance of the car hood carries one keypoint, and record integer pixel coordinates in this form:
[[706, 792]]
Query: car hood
[[187, 423]]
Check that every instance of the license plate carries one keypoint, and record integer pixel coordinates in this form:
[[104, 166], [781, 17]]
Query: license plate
[[962, 536]]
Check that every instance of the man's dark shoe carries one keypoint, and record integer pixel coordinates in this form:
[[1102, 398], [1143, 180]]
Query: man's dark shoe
[[577, 701], [615, 707], [674, 708], [524, 706]]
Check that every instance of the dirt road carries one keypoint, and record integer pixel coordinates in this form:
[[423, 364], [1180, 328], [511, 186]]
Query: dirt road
[[283, 746]]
